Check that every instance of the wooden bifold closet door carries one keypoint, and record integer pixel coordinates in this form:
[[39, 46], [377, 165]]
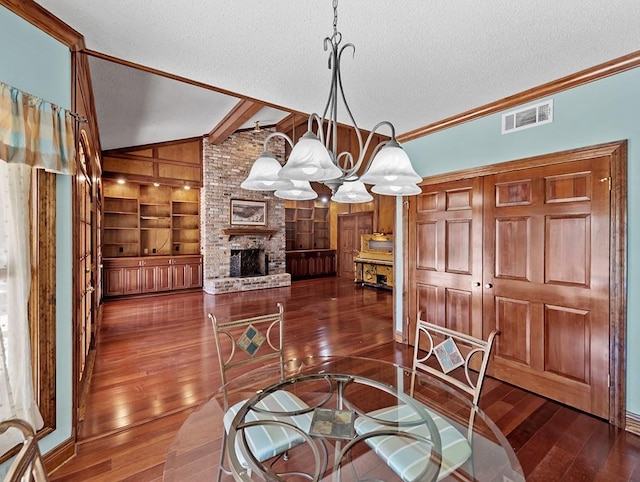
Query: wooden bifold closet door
[[524, 251]]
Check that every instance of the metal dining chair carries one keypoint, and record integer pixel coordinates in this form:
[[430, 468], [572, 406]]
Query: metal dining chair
[[248, 343], [461, 361], [27, 464]]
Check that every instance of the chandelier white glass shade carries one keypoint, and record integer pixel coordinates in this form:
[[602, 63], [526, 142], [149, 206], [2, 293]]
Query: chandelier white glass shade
[[264, 175], [315, 156], [310, 161], [296, 191], [352, 192]]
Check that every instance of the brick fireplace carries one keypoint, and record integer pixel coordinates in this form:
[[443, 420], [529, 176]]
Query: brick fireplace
[[226, 165]]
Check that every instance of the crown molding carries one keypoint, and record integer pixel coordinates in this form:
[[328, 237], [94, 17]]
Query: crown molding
[[601, 71]]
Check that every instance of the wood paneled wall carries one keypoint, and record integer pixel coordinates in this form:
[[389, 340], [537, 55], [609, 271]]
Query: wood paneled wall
[[174, 163]]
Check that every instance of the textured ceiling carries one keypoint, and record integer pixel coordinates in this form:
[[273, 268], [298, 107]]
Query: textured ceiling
[[415, 62]]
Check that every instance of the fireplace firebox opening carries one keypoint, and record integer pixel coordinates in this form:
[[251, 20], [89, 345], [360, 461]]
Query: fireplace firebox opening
[[248, 262]]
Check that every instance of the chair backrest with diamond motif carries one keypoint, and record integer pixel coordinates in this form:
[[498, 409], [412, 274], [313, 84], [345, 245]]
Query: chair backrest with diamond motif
[[441, 352], [249, 341]]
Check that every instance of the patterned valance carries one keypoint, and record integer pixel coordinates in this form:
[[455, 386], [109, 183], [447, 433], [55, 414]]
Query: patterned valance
[[35, 132]]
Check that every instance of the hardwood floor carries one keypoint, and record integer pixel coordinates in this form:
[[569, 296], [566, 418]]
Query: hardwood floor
[[156, 364]]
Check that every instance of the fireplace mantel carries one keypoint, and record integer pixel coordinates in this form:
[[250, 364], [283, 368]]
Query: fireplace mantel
[[253, 231]]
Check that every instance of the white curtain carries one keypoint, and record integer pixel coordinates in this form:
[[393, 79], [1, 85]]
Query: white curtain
[[16, 387]]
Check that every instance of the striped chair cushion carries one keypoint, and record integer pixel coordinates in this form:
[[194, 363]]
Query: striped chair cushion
[[267, 441], [408, 457]]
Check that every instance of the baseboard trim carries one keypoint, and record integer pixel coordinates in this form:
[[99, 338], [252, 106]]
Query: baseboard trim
[[633, 423], [59, 455]]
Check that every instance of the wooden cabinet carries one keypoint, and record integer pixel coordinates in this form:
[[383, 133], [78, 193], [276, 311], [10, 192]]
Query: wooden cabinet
[[187, 272], [143, 275], [122, 277], [307, 225], [150, 220], [311, 263], [156, 275]]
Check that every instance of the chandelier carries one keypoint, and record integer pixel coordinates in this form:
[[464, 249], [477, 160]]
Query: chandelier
[[315, 156]]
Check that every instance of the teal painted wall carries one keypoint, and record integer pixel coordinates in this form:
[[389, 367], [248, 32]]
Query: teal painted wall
[[32, 61], [40, 65], [602, 111]]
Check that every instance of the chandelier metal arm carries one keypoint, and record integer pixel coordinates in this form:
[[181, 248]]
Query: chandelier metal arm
[[319, 121], [363, 149], [276, 134]]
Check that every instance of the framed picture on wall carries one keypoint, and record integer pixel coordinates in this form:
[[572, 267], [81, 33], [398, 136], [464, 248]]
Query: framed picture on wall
[[248, 213]]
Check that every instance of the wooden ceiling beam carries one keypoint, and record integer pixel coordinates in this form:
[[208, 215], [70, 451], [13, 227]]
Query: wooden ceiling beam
[[241, 113]]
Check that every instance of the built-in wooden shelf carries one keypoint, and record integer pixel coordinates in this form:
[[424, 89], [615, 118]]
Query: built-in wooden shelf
[[249, 231]]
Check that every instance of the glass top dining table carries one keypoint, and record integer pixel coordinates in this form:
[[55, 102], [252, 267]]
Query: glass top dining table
[[343, 395]]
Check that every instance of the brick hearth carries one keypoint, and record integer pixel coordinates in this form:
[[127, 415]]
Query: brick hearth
[[232, 285]]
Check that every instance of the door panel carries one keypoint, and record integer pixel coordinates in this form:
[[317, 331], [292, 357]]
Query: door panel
[[526, 252], [350, 228], [548, 276], [445, 240], [347, 244]]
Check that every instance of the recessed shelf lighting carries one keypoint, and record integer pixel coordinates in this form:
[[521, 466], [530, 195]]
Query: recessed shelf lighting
[[121, 181]]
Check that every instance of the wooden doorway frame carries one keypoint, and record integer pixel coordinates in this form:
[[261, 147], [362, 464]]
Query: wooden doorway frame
[[341, 218], [617, 253]]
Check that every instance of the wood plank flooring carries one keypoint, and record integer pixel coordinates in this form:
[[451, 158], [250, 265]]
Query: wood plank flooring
[[156, 363]]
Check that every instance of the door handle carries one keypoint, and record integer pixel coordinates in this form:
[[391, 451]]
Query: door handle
[[476, 284], [488, 285]]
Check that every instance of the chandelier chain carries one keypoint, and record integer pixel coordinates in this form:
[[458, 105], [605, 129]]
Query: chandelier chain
[[335, 18]]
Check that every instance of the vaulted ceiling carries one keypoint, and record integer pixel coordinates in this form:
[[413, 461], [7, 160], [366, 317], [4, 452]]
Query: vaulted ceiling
[[415, 61]]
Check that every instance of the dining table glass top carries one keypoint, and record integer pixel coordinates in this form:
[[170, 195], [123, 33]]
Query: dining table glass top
[[355, 409]]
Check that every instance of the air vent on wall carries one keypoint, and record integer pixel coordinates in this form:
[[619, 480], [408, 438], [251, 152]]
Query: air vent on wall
[[530, 116]]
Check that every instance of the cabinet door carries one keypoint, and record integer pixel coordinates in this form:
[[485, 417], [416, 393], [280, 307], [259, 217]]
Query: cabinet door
[[297, 264], [113, 282], [163, 278], [180, 276], [195, 274], [148, 279], [132, 280], [328, 262]]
